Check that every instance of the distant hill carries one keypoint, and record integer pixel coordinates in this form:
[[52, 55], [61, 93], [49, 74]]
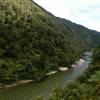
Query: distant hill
[[34, 42]]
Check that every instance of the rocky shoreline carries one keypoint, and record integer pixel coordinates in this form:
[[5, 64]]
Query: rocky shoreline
[[15, 84], [48, 74]]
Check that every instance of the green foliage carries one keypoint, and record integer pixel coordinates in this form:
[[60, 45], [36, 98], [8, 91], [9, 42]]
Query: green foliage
[[34, 42], [38, 98], [57, 93], [96, 56], [86, 87], [95, 77]]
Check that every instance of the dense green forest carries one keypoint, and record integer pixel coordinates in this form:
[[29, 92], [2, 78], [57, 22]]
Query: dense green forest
[[86, 87], [34, 42]]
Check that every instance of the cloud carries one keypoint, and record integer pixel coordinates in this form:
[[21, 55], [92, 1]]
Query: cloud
[[84, 12]]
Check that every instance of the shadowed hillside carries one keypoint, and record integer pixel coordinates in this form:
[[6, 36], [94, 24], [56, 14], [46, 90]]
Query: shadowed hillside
[[34, 42]]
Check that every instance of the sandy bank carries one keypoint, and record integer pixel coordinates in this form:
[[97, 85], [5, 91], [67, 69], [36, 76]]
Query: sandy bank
[[63, 68], [15, 84], [50, 73], [78, 63]]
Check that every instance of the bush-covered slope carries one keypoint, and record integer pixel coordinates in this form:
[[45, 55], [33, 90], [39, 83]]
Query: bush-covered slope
[[34, 42], [87, 87]]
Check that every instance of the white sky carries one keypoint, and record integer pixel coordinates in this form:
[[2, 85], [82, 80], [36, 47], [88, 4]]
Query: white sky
[[84, 12]]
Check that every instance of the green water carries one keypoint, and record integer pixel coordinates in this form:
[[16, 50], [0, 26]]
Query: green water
[[43, 87]]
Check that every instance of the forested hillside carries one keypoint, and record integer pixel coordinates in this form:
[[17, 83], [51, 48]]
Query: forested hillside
[[87, 87], [34, 42]]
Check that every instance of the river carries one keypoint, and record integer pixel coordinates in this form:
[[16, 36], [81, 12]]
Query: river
[[45, 86]]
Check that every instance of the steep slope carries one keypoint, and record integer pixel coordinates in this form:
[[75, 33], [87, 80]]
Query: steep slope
[[89, 36], [34, 42]]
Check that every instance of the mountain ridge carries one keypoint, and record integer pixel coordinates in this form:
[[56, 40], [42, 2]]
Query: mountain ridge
[[34, 42]]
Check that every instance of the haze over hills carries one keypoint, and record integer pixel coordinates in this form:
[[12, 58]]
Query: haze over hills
[[79, 11], [34, 42]]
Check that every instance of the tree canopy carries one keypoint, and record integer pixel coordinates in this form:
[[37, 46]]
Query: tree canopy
[[34, 42]]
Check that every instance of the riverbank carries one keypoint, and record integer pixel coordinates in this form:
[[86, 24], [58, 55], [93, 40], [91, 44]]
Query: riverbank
[[44, 86], [87, 85], [15, 84], [78, 63]]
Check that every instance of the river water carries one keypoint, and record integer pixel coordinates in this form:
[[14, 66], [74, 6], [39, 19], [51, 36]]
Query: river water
[[45, 86]]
